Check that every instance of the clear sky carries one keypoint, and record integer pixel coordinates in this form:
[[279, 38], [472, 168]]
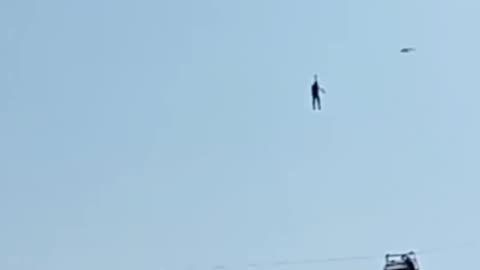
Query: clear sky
[[179, 135]]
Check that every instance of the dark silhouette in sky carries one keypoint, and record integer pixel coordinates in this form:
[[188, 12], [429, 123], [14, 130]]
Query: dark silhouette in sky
[[316, 94], [407, 50]]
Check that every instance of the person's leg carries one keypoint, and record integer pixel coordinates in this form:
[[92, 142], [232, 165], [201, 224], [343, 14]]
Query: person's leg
[[317, 101]]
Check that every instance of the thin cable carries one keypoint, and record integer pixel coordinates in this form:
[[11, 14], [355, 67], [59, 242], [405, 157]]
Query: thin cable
[[326, 260], [301, 262], [286, 263]]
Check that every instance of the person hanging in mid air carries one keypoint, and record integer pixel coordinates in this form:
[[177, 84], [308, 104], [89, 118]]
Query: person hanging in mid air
[[316, 94]]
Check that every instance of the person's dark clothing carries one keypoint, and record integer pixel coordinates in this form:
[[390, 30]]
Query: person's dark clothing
[[316, 96]]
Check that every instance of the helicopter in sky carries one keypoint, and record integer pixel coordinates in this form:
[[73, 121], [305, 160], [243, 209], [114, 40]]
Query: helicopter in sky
[[407, 50]]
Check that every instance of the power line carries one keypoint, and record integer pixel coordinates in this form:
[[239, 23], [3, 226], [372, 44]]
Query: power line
[[286, 263]]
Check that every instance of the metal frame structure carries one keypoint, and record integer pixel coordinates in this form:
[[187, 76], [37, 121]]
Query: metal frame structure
[[397, 262]]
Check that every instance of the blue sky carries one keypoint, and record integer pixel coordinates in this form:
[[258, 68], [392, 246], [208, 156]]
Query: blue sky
[[179, 134]]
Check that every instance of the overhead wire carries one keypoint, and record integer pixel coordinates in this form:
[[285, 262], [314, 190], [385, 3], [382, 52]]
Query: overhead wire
[[286, 263]]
